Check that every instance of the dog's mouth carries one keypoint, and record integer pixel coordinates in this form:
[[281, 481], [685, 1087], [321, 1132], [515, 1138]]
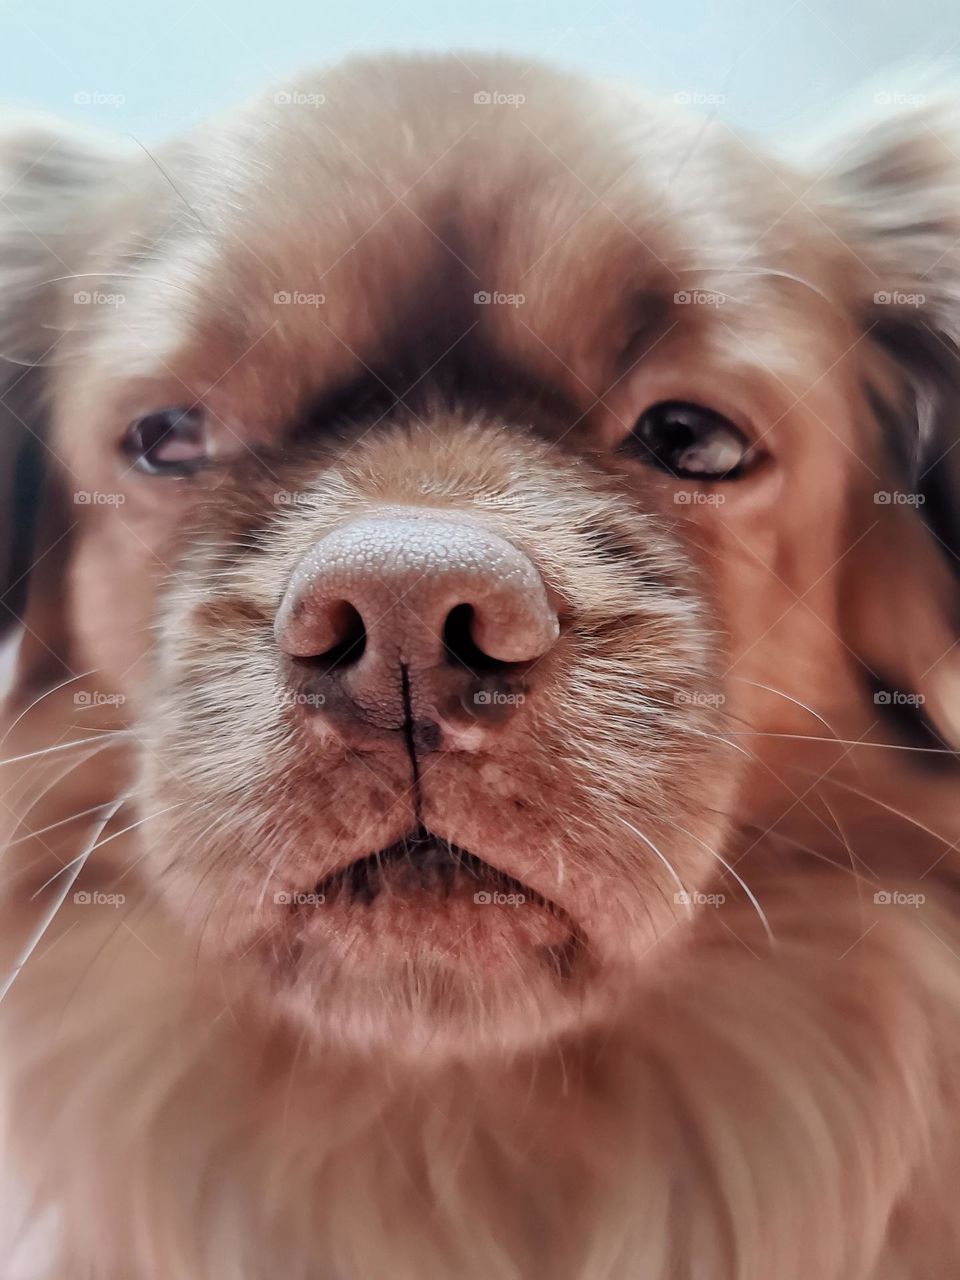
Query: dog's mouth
[[423, 862], [423, 889]]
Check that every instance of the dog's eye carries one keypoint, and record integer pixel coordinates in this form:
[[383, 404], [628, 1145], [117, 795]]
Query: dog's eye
[[169, 443], [688, 441]]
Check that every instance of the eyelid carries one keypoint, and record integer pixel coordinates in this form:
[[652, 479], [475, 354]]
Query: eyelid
[[669, 434], [731, 394], [139, 448]]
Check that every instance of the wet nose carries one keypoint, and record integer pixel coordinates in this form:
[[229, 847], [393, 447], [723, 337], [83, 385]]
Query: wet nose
[[413, 616]]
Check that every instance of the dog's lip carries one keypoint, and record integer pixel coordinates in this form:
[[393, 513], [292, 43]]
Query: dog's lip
[[423, 847], [409, 908]]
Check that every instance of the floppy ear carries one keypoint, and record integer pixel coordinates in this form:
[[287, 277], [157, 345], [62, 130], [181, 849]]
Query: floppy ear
[[901, 189], [894, 198], [51, 182]]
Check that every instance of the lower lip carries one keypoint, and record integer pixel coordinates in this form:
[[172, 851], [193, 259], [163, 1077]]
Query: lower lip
[[421, 907]]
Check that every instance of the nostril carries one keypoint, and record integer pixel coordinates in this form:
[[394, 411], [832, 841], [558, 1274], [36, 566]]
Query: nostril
[[460, 647], [346, 625], [414, 590]]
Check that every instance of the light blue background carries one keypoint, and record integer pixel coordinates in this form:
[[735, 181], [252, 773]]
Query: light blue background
[[152, 68]]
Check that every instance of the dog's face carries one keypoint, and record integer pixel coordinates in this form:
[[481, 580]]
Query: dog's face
[[449, 476]]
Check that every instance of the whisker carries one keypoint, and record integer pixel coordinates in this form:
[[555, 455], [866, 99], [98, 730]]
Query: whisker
[[161, 169], [849, 849], [844, 742], [144, 908], [32, 804], [739, 879], [788, 697], [64, 746], [866, 795], [671, 870], [46, 694], [113, 275], [136, 862], [87, 852], [47, 917], [822, 857], [734, 269]]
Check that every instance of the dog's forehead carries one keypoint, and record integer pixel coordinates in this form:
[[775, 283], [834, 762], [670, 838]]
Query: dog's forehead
[[392, 167], [424, 203]]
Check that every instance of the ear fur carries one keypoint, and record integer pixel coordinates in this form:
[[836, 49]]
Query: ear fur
[[893, 196], [53, 187]]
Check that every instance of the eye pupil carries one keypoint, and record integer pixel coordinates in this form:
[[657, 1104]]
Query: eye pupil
[[171, 442], [689, 441]]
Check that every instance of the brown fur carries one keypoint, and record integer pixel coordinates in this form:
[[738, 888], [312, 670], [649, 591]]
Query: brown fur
[[744, 1068]]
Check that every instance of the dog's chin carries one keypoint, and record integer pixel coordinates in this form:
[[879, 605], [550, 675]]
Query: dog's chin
[[424, 947], [426, 1011]]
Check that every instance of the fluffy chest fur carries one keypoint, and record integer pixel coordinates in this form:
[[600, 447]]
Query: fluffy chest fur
[[743, 1094]]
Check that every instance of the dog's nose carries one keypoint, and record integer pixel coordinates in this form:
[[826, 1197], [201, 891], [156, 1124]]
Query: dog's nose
[[413, 618]]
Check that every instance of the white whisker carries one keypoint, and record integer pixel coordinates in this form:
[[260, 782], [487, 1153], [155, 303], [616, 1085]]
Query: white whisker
[[64, 746], [671, 870], [739, 879], [32, 804], [46, 694], [844, 742], [788, 698], [47, 916], [87, 852], [914, 822]]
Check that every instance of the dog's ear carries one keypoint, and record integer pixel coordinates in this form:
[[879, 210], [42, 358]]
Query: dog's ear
[[893, 195], [51, 183]]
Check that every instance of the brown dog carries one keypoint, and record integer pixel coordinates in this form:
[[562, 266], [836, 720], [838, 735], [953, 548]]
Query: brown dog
[[480, 769]]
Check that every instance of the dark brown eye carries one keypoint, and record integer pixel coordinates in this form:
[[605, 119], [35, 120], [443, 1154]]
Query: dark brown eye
[[172, 442], [688, 441]]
